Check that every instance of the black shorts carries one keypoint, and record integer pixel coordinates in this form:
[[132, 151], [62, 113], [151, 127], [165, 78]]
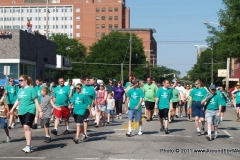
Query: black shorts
[[181, 103], [10, 106], [45, 122], [175, 104], [149, 105], [163, 113], [86, 114], [238, 105], [79, 119], [223, 109], [27, 119]]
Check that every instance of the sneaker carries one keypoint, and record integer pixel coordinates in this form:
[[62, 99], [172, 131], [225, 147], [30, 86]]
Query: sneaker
[[117, 117], [166, 131], [172, 120], [148, 120], [209, 137], [199, 133], [145, 117], [13, 125], [176, 116], [9, 127], [54, 131], [151, 119], [128, 134], [47, 139], [76, 140], [140, 133], [120, 117], [202, 131], [84, 137], [27, 149], [215, 136], [34, 126], [66, 132], [180, 115], [107, 122], [221, 119], [8, 139], [161, 129], [169, 120]]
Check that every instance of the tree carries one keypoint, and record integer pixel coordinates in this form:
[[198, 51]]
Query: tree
[[73, 49], [112, 50], [158, 73]]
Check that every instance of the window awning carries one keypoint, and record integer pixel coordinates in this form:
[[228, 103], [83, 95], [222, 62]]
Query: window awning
[[231, 79]]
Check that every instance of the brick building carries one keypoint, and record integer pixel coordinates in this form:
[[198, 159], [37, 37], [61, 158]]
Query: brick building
[[26, 53], [86, 20], [149, 43]]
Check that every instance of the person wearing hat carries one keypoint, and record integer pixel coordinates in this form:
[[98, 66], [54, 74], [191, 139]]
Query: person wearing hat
[[134, 98], [236, 95], [213, 111]]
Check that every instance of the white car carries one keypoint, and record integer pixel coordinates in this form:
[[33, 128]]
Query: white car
[[75, 81]]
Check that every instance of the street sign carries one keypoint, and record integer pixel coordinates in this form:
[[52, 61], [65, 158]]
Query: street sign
[[222, 73], [6, 70]]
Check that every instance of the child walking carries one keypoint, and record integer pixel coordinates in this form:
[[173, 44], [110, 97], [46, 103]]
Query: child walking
[[110, 106], [79, 101], [47, 113], [4, 114]]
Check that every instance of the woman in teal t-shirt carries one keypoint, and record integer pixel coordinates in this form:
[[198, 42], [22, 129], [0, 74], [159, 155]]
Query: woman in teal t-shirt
[[27, 102], [11, 96], [175, 101]]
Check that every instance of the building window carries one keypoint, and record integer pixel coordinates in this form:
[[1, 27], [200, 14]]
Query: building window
[[16, 27], [115, 9], [110, 26], [77, 18], [97, 9], [78, 26], [97, 34], [16, 10], [115, 17], [110, 9], [103, 9], [103, 25], [24, 10], [103, 17], [77, 9], [77, 34], [110, 18], [97, 26], [97, 18], [42, 10], [115, 25], [102, 34], [69, 9]]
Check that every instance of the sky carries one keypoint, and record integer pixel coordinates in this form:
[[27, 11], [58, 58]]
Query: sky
[[179, 26]]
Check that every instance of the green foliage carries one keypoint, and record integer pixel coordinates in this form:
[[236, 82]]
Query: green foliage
[[114, 49], [71, 48], [158, 73]]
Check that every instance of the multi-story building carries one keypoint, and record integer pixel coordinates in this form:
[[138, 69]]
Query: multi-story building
[[149, 42], [86, 20]]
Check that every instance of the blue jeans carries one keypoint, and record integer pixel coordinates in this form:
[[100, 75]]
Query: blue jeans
[[137, 114], [197, 109], [3, 122]]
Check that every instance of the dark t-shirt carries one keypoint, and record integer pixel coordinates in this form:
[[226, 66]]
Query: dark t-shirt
[[109, 88], [118, 93], [96, 87]]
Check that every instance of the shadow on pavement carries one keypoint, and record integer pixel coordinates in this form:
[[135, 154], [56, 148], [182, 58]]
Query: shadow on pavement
[[101, 133], [230, 128], [55, 138], [175, 130], [223, 136], [18, 140], [95, 138], [152, 132], [50, 146]]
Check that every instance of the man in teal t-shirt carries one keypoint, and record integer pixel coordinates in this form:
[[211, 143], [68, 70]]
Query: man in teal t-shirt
[[175, 101], [150, 90], [134, 98], [224, 99], [60, 101], [128, 83], [38, 89], [164, 103], [213, 111]]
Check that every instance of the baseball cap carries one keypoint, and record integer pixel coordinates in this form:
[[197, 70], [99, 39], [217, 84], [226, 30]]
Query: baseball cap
[[70, 80], [134, 81], [212, 87]]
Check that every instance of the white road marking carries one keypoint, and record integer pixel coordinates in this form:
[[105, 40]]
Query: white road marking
[[122, 129], [22, 157], [157, 135], [226, 132]]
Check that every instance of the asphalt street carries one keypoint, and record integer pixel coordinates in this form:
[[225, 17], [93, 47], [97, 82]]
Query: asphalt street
[[111, 143]]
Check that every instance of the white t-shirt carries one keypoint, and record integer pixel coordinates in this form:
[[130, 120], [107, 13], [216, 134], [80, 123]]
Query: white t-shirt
[[182, 91], [110, 103]]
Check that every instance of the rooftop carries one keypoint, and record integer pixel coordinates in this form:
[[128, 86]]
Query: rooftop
[[134, 29]]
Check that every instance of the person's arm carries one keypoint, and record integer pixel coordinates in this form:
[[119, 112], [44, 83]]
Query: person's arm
[[171, 105], [113, 103], [105, 97], [39, 107], [96, 104], [52, 101], [14, 106], [6, 107], [138, 105], [179, 98], [156, 102], [126, 105], [124, 97], [189, 101], [71, 92]]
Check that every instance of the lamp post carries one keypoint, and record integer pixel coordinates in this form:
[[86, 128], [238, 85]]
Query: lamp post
[[204, 46]]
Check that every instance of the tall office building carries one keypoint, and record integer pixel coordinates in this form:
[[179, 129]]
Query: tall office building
[[85, 20]]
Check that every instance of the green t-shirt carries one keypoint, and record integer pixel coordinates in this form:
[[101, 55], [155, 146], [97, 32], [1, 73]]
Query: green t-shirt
[[11, 96], [135, 94], [223, 98], [198, 94], [74, 89], [39, 92], [214, 102], [237, 94], [150, 92], [164, 96], [175, 93], [79, 102], [61, 95], [26, 100], [90, 93], [127, 84]]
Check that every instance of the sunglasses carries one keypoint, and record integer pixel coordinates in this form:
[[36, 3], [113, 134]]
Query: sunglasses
[[10, 81], [20, 80], [78, 88], [196, 83]]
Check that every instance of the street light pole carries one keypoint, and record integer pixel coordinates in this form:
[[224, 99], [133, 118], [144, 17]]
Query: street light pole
[[47, 21], [130, 57], [212, 67]]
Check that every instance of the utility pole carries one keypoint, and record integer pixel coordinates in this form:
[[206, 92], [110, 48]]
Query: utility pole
[[227, 77], [130, 57], [122, 73], [47, 21], [212, 67], [153, 60]]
